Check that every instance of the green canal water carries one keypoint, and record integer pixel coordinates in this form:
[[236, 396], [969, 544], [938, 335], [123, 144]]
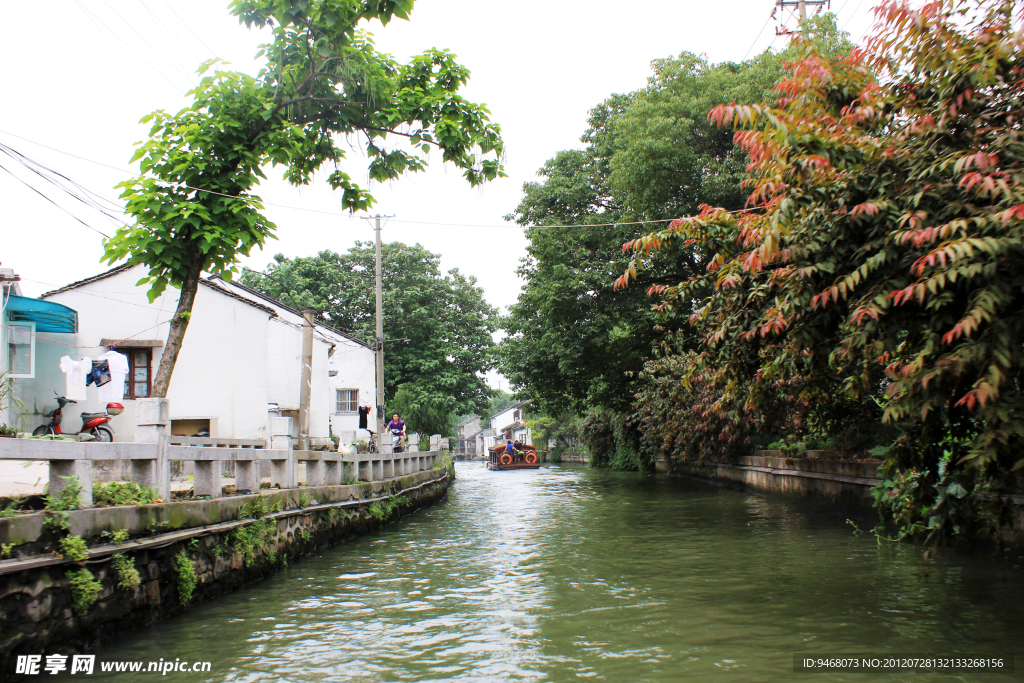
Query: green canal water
[[566, 573]]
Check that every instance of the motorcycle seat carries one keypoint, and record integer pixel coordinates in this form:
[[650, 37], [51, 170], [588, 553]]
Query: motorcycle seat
[[89, 416]]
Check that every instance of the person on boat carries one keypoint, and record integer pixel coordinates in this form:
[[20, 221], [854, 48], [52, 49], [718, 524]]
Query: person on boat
[[518, 445], [397, 423]]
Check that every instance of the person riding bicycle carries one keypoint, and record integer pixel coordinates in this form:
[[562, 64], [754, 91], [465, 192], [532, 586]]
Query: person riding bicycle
[[397, 426]]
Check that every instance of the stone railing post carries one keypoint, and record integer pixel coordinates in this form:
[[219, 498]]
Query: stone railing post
[[283, 471], [153, 421], [61, 470], [247, 474]]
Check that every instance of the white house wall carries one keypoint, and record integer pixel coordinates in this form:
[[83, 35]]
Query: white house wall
[[356, 369], [221, 373], [353, 363]]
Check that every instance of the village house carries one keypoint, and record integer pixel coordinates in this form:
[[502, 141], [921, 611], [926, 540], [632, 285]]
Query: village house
[[466, 433], [239, 365], [508, 425]]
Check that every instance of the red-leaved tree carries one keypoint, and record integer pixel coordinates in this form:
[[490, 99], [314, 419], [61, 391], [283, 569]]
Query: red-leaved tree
[[881, 254]]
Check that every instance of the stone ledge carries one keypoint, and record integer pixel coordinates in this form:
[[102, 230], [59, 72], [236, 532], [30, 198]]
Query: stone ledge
[[137, 519], [101, 551]]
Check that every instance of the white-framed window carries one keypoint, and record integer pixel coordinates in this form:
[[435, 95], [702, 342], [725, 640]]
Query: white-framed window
[[346, 401], [21, 350]]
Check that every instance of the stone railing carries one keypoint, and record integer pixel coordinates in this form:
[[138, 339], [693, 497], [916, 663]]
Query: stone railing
[[154, 450]]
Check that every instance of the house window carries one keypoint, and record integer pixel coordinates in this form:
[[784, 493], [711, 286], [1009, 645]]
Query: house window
[[21, 350], [346, 401], [517, 415], [140, 374]]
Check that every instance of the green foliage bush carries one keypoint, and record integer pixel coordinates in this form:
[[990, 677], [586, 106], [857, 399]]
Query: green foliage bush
[[121, 493], [246, 540], [10, 509], [187, 577], [382, 510], [84, 590], [73, 549], [128, 577], [69, 498]]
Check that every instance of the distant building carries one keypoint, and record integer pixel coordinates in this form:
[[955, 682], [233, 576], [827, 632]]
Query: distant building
[[466, 432], [510, 425]]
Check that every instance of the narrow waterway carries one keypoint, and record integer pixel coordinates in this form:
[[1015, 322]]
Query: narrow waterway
[[568, 573]]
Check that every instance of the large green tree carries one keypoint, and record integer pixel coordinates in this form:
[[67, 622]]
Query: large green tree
[[439, 325], [323, 87], [648, 155]]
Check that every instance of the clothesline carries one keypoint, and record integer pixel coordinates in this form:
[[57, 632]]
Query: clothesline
[[74, 346]]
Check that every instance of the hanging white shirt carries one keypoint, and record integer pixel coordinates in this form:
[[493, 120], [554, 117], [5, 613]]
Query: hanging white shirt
[[118, 365], [75, 372]]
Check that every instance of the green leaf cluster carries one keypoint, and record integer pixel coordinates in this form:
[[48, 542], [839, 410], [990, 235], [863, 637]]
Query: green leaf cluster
[[128, 577], [323, 87], [84, 590], [73, 549], [187, 577], [121, 493]]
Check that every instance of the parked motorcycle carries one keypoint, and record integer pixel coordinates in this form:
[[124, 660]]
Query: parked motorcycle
[[96, 424], [396, 440]]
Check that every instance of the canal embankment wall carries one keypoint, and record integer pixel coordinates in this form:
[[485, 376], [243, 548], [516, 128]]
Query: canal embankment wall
[[840, 486], [181, 553], [844, 485]]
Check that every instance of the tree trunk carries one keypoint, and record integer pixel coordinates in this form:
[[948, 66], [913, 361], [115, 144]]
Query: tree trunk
[[179, 323]]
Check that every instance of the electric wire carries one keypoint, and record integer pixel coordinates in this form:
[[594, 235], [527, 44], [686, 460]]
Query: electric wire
[[212, 51], [46, 173], [335, 213], [129, 60], [852, 14], [171, 31], [22, 181], [758, 35], [145, 41]]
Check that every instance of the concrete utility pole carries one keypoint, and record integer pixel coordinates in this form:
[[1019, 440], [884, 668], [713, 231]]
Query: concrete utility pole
[[801, 6], [305, 388], [380, 343]]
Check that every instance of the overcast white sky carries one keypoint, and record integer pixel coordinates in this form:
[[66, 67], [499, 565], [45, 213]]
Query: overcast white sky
[[82, 85]]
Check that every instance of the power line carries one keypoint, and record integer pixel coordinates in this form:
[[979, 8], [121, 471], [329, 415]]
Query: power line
[[38, 169], [4, 168], [212, 51], [144, 39], [173, 34], [130, 61], [854, 12], [335, 213], [770, 17]]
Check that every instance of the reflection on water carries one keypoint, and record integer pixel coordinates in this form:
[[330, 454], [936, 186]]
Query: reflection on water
[[567, 573]]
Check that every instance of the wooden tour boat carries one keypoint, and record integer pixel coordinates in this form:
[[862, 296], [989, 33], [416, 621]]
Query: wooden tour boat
[[500, 460]]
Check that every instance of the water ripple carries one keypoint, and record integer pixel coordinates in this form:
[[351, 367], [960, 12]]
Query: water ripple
[[566, 573]]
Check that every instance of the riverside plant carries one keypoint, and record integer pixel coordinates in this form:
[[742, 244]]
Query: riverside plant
[[73, 549], [187, 577], [84, 590], [247, 539], [381, 511], [128, 577], [116, 493]]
